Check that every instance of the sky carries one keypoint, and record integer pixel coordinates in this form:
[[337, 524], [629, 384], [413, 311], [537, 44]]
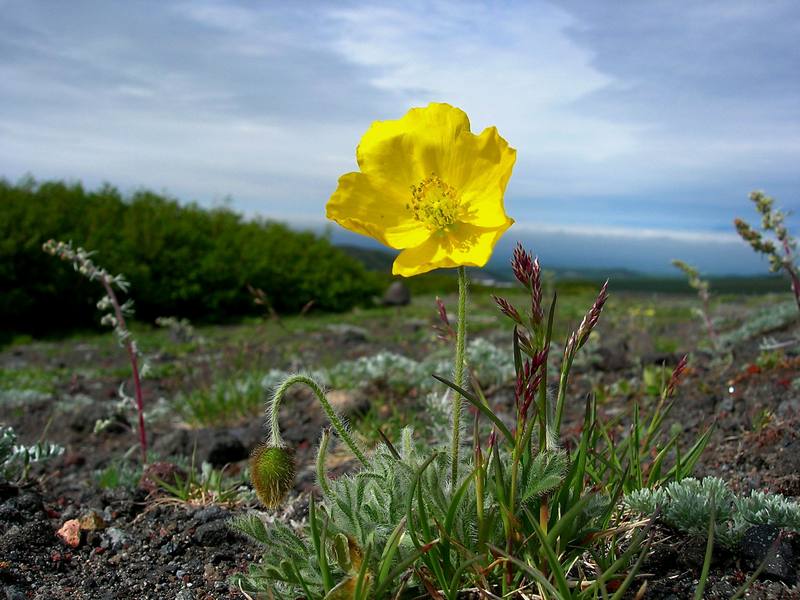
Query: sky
[[640, 127]]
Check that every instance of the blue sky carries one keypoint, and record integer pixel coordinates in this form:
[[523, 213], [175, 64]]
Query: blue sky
[[640, 126]]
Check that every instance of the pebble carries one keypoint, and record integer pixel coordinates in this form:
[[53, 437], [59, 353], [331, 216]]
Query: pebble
[[70, 533], [114, 538], [210, 513], [13, 593], [30, 503], [779, 563], [213, 533], [92, 521], [171, 548], [9, 513]]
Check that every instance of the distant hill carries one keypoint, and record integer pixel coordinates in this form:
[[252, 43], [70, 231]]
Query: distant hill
[[375, 259], [372, 258], [622, 279]]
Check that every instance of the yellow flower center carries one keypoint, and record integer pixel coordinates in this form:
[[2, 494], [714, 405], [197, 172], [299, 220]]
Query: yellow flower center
[[434, 202]]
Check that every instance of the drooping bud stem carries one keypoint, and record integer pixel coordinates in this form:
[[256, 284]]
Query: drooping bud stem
[[336, 422]]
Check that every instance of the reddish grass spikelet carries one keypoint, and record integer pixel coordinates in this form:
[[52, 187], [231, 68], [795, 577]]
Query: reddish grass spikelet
[[677, 372], [536, 292], [581, 335], [591, 318], [507, 309], [528, 382], [442, 311], [522, 265], [444, 330]]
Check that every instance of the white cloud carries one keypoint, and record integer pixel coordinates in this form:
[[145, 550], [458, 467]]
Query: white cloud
[[630, 233], [620, 116], [510, 65]]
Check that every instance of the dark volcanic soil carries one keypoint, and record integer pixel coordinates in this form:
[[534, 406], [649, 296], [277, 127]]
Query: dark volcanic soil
[[141, 545]]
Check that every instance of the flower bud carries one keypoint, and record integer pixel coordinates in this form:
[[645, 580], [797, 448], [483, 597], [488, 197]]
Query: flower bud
[[272, 472]]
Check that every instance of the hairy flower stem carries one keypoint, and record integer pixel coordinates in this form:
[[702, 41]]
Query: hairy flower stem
[[336, 422], [137, 383], [461, 334]]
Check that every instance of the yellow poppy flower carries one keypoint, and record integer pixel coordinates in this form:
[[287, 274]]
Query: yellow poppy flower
[[429, 187]]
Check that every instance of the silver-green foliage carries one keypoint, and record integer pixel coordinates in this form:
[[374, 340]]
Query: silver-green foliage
[[16, 459], [491, 365], [365, 507], [686, 505], [288, 559], [762, 322]]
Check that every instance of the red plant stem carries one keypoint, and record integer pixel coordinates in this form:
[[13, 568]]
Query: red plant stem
[[712, 334], [137, 384], [795, 284], [788, 264]]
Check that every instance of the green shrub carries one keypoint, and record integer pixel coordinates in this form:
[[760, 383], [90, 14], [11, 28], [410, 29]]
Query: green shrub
[[181, 259]]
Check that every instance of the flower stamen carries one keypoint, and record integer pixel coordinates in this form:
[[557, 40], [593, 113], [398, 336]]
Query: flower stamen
[[434, 202]]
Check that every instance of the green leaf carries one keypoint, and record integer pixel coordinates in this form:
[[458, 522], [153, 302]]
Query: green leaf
[[546, 472], [485, 410]]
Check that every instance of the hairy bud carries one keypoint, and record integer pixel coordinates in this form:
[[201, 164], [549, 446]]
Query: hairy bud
[[272, 472]]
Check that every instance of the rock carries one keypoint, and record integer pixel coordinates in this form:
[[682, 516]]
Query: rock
[[70, 533], [788, 408], [30, 503], [789, 461], [349, 334], [185, 594], [114, 539], [347, 403], [757, 547], [397, 294], [92, 521], [417, 324], [10, 514], [225, 448], [91, 411], [209, 513], [158, 472], [13, 593], [7, 490], [171, 548], [612, 358], [214, 533], [670, 359], [175, 443]]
